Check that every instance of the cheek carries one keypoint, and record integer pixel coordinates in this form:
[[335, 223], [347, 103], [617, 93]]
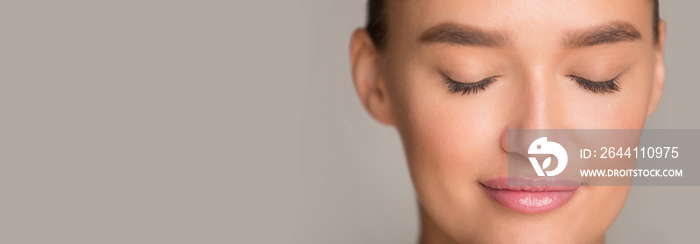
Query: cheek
[[456, 133], [450, 139]]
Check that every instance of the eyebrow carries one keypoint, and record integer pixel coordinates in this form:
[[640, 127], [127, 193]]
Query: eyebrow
[[604, 34], [449, 33]]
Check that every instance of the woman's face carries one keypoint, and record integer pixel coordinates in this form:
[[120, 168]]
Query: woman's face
[[548, 64]]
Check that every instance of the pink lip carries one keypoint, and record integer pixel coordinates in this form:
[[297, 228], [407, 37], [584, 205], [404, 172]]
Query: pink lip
[[530, 196]]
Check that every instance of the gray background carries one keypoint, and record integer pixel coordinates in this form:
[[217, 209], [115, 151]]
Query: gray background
[[233, 122]]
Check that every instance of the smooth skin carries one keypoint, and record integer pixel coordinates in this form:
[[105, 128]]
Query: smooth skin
[[453, 141]]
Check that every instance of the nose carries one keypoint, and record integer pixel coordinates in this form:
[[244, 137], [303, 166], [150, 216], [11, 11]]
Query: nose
[[535, 105]]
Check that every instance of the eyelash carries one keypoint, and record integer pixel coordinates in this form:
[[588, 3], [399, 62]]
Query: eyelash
[[469, 88], [602, 87]]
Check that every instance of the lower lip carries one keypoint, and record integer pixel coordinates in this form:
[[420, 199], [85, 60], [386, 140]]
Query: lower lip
[[528, 199]]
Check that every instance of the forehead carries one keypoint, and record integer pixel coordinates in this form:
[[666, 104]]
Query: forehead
[[522, 21]]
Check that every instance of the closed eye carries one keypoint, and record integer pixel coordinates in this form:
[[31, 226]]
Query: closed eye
[[602, 87], [469, 87]]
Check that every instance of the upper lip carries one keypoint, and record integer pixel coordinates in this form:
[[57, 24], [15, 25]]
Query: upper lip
[[533, 185]]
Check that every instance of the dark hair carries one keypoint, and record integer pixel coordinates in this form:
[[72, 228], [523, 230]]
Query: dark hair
[[657, 19], [377, 26], [376, 22]]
